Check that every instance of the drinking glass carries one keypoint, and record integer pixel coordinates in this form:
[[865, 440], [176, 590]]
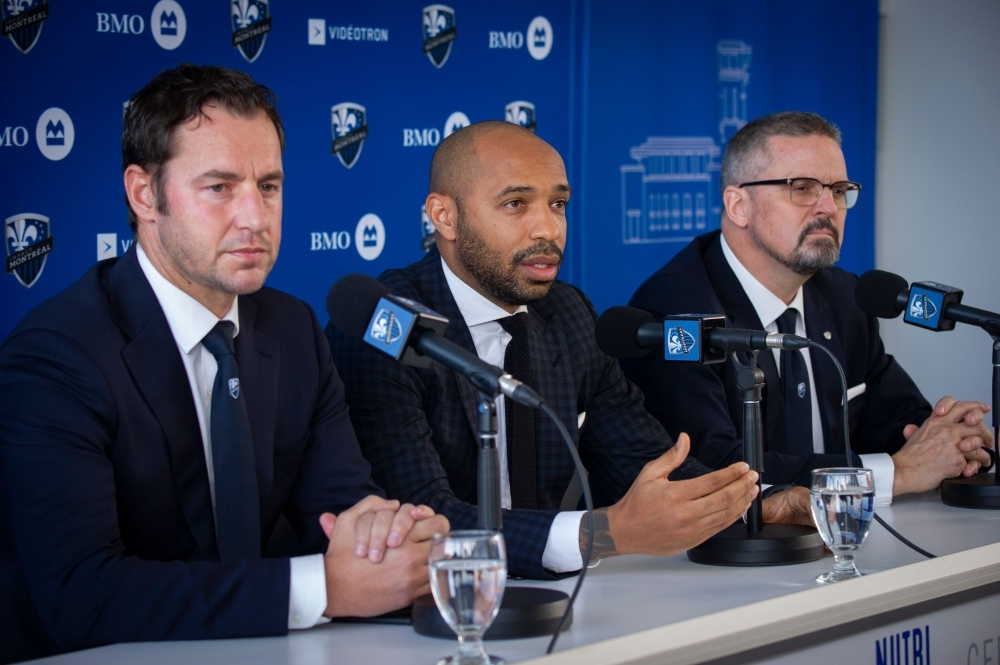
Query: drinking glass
[[468, 575], [843, 503]]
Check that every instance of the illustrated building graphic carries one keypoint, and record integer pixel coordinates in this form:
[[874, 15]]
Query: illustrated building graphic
[[669, 192]]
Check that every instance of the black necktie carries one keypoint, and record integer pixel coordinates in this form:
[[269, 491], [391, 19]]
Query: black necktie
[[795, 382], [519, 420], [237, 506]]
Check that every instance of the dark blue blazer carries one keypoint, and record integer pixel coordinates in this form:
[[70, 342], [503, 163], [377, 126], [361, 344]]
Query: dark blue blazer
[[418, 426], [106, 525], [704, 401]]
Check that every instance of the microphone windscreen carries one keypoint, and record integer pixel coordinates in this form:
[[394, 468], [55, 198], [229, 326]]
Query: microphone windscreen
[[351, 303], [617, 330], [877, 291]]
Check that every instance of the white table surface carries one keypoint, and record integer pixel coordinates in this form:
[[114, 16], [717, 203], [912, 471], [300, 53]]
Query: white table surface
[[621, 596]]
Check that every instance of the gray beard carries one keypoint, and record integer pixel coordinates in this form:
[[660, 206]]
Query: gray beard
[[806, 259]]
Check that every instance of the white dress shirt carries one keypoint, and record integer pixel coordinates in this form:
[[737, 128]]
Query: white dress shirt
[[769, 307], [189, 322], [562, 549]]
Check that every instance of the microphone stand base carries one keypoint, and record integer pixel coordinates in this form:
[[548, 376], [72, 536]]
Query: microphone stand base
[[979, 491], [774, 545], [524, 612]]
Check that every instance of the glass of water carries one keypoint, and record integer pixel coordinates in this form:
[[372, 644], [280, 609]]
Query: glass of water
[[468, 576], [843, 503]]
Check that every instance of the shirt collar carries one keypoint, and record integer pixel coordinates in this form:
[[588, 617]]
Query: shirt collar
[[188, 319], [767, 305], [474, 306]]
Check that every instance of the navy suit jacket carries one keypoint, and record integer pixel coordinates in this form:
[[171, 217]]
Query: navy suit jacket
[[106, 524], [704, 401], [418, 426]]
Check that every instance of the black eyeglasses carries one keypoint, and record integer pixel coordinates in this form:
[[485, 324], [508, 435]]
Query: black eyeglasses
[[807, 191]]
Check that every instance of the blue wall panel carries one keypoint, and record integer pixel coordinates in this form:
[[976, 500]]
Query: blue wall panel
[[613, 77]]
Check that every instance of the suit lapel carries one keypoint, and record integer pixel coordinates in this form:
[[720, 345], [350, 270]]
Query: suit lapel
[[434, 287], [258, 356], [156, 367], [741, 314], [828, 389]]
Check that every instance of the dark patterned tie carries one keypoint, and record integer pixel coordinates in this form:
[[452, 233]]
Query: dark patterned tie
[[237, 506], [798, 400], [519, 420]]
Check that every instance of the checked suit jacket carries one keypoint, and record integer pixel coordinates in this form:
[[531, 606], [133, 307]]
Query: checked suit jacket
[[704, 401], [106, 523], [417, 427]]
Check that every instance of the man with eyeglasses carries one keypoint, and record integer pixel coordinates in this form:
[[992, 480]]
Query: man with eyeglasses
[[785, 195]]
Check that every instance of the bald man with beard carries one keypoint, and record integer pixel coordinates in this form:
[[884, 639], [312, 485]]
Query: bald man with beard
[[498, 197]]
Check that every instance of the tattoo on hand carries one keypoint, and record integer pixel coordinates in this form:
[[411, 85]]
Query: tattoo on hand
[[604, 544]]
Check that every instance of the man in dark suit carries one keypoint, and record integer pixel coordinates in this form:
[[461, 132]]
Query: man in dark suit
[[786, 195], [159, 416], [497, 199]]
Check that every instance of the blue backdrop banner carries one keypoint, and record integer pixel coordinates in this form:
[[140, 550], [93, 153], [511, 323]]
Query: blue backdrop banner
[[639, 99]]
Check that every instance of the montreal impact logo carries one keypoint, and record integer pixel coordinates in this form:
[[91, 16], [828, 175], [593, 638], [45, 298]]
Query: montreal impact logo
[[521, 113], [22, 21], [347, 122], [251, 23], [28, 241], [679, 342], [386, 327], [234, 388], [921, 307], [439, 33]]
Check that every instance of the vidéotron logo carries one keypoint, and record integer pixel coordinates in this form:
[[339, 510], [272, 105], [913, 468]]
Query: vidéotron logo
[[921, 307], [22, 21], [168, 24], [54, 134], [386, 327], [521, 113], [251, 23], [28, 239], [369, 237], [439, 33], [679, 342], [348, 122]]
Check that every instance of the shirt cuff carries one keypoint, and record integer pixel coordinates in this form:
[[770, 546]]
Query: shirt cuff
[[562, 549], [884, 472], [307, 592]]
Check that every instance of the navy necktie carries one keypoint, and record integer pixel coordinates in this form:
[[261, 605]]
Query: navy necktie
[[519, 420], [237, 505], [798, 400]]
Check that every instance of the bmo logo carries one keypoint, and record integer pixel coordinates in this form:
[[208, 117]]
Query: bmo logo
[[537, 38], [421, 137], [369, 237], [127, 24]]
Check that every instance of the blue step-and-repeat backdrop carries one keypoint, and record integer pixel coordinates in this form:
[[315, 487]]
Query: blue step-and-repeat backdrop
[[640, 98]]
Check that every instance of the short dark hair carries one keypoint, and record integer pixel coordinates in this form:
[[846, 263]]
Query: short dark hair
[[173, 98], [747, 152]]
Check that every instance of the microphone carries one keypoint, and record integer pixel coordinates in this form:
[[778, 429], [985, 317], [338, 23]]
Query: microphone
[[411, 333], [929, 305], [627, 332]]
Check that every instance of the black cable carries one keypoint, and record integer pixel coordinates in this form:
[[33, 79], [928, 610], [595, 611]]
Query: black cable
[[847, 448], [589, 502]]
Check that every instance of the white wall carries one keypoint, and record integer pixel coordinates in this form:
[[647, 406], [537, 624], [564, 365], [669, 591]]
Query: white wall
[[937, 209]]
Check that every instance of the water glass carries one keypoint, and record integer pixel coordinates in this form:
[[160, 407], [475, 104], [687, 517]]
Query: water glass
[[468, 575], [843, 504]]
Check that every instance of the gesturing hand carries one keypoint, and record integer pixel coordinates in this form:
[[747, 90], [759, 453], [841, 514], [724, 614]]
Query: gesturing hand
[[659, 516]]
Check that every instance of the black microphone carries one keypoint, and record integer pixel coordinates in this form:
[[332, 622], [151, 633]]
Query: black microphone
[[627, 332], [929, 305], [404, 329]]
